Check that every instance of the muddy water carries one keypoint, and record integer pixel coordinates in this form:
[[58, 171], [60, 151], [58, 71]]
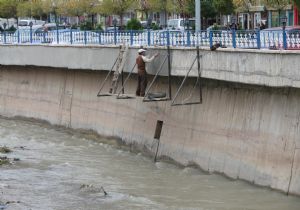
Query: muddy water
[[63, 170]]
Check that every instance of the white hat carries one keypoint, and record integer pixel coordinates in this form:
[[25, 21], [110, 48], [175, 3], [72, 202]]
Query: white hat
[[141, 50]]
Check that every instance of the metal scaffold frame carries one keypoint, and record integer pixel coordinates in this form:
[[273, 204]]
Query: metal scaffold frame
[[151, 97], [198, 82], [121, 94]]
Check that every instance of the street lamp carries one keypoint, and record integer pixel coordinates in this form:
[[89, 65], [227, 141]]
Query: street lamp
[[283, 21], [187, 24], [149, 22], [114, 22], [115, 30], [92, 5]]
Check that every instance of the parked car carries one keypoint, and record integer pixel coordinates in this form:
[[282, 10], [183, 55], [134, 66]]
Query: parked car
[[24, 23], [181, 24]]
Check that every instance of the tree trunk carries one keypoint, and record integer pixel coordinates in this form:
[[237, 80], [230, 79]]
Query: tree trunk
[[121, 21], [166, 19], [147, 14], [279, 15]]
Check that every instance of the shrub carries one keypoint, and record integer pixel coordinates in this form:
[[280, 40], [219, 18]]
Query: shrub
[[154, 26], [86, 26], [99, 27], [74, 26], [133, 24], [11, 29]]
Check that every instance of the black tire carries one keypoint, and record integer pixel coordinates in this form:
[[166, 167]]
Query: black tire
[[156, 95]]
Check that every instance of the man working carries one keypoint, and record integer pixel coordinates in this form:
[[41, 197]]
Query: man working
[[141, 61]]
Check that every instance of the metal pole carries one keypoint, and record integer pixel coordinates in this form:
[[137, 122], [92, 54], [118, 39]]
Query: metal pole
[[158, 129], [199, 73], [198, 14], [169, 72]]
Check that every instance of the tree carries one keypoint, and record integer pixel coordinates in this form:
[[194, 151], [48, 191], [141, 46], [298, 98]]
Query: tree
[[223, 7], [116, 7], [278, 5], [207, 9], [297, 2], [8, 8], [182, 7], [24, 9], [71, 8], [145, 6]]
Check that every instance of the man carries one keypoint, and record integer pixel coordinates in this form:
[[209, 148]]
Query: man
[[141, 61]]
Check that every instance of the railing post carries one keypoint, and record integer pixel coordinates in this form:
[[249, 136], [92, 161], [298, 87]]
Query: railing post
[[149, 38], [233, 38], [30, 35], [71, 36], [115, 36], [99, 37], [18, 34], [57, 35], [210, 38], [44, 37], [168, 37], [258, 39], [131, 37], [284, 39], [85, 38], [4, 34], [188, 38]]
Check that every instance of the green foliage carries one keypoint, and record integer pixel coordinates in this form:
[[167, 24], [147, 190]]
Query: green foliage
[[154, 26], [24, 9], [116, 7], [223, 7], [99, 27], [8, 8], [74, 26], [134, 24], [207, 9], [215, 27], [210, 8], [297, 2], [277, 4], [11, 29], [86, 26]]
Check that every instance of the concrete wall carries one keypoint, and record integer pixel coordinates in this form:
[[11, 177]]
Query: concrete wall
[[246, 132], [260, 67]]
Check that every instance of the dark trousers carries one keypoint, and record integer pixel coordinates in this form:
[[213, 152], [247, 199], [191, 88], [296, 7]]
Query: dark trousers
[[142, 83]]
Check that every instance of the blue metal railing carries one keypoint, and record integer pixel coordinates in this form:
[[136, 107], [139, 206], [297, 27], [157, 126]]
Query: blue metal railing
[[246, 39]]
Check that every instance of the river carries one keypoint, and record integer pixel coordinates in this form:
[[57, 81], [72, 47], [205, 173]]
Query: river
[[60, 169]]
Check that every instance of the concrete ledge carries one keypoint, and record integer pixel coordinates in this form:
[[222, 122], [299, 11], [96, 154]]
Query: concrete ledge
[[274, 68]]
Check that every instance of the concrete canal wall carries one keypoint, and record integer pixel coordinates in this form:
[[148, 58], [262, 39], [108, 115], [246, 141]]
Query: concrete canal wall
[[245, 131], [260, 67]]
